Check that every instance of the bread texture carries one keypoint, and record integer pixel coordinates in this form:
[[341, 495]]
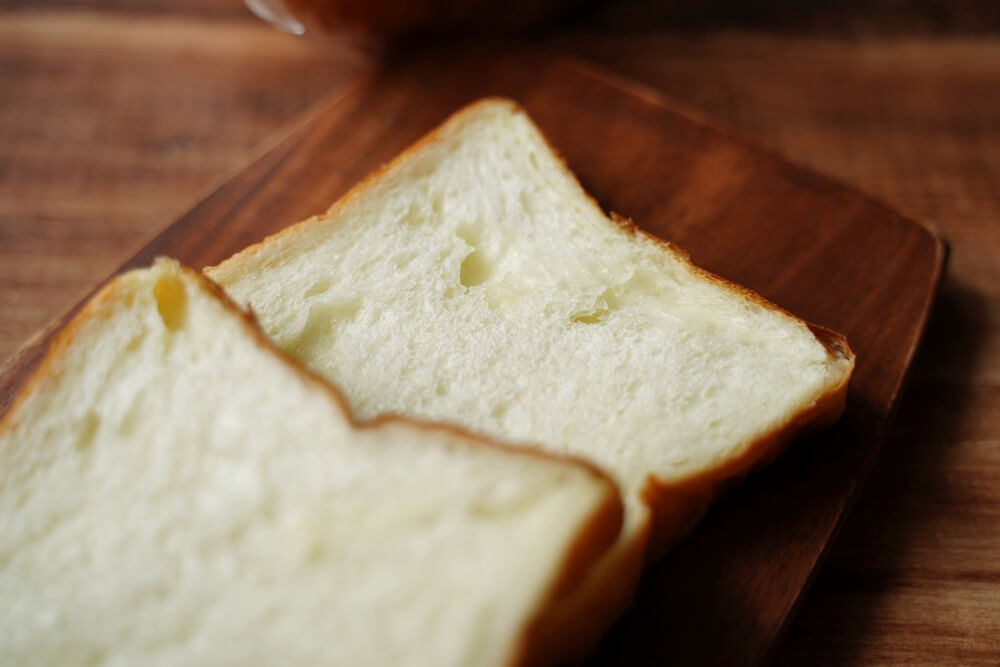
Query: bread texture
[[472, 280], [175, 491]]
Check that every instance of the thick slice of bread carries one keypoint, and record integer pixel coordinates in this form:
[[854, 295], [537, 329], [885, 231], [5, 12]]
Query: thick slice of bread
[[473, 280], [174, 491]]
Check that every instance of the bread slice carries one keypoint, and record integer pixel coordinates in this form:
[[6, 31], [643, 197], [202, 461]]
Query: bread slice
[[473, 280], [174, 491]]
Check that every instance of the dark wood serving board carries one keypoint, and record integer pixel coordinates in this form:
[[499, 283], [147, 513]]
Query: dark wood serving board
[[819, 249]]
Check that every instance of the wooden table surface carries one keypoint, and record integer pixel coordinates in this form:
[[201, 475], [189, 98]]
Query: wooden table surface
[[114, 121]]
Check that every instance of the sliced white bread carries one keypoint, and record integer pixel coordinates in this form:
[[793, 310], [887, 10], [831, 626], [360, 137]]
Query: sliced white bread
[[175, 491], [473, 280]]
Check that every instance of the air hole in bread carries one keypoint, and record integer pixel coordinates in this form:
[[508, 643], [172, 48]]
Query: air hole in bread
[[499, 410], [88, 429], [414, 216], [526, 202], [589, 316], [319, 287], [475, 270], [402, 259], [132, 417], [171, 301], [320, 321]]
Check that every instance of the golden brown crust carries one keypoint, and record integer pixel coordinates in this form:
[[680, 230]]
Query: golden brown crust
[[587, 550]]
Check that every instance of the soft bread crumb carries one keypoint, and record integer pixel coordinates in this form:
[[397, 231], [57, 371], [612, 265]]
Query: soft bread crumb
[[173, 492]]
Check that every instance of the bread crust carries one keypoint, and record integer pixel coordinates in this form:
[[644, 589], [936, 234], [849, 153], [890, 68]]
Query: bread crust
[[586, 550]]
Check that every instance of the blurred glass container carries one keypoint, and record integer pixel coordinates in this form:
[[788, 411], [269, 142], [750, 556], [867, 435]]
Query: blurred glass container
[[395, 18], [275, 12]]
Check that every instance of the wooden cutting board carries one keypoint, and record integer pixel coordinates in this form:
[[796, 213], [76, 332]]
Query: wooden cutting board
[[819, 249]]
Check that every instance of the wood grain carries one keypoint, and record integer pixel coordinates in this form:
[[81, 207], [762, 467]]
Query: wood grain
[[111, 127], [913, 578], [738, 210]]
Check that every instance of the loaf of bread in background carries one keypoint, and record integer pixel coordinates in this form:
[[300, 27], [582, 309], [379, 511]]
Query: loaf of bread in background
[[175, 491], [473, 281]]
